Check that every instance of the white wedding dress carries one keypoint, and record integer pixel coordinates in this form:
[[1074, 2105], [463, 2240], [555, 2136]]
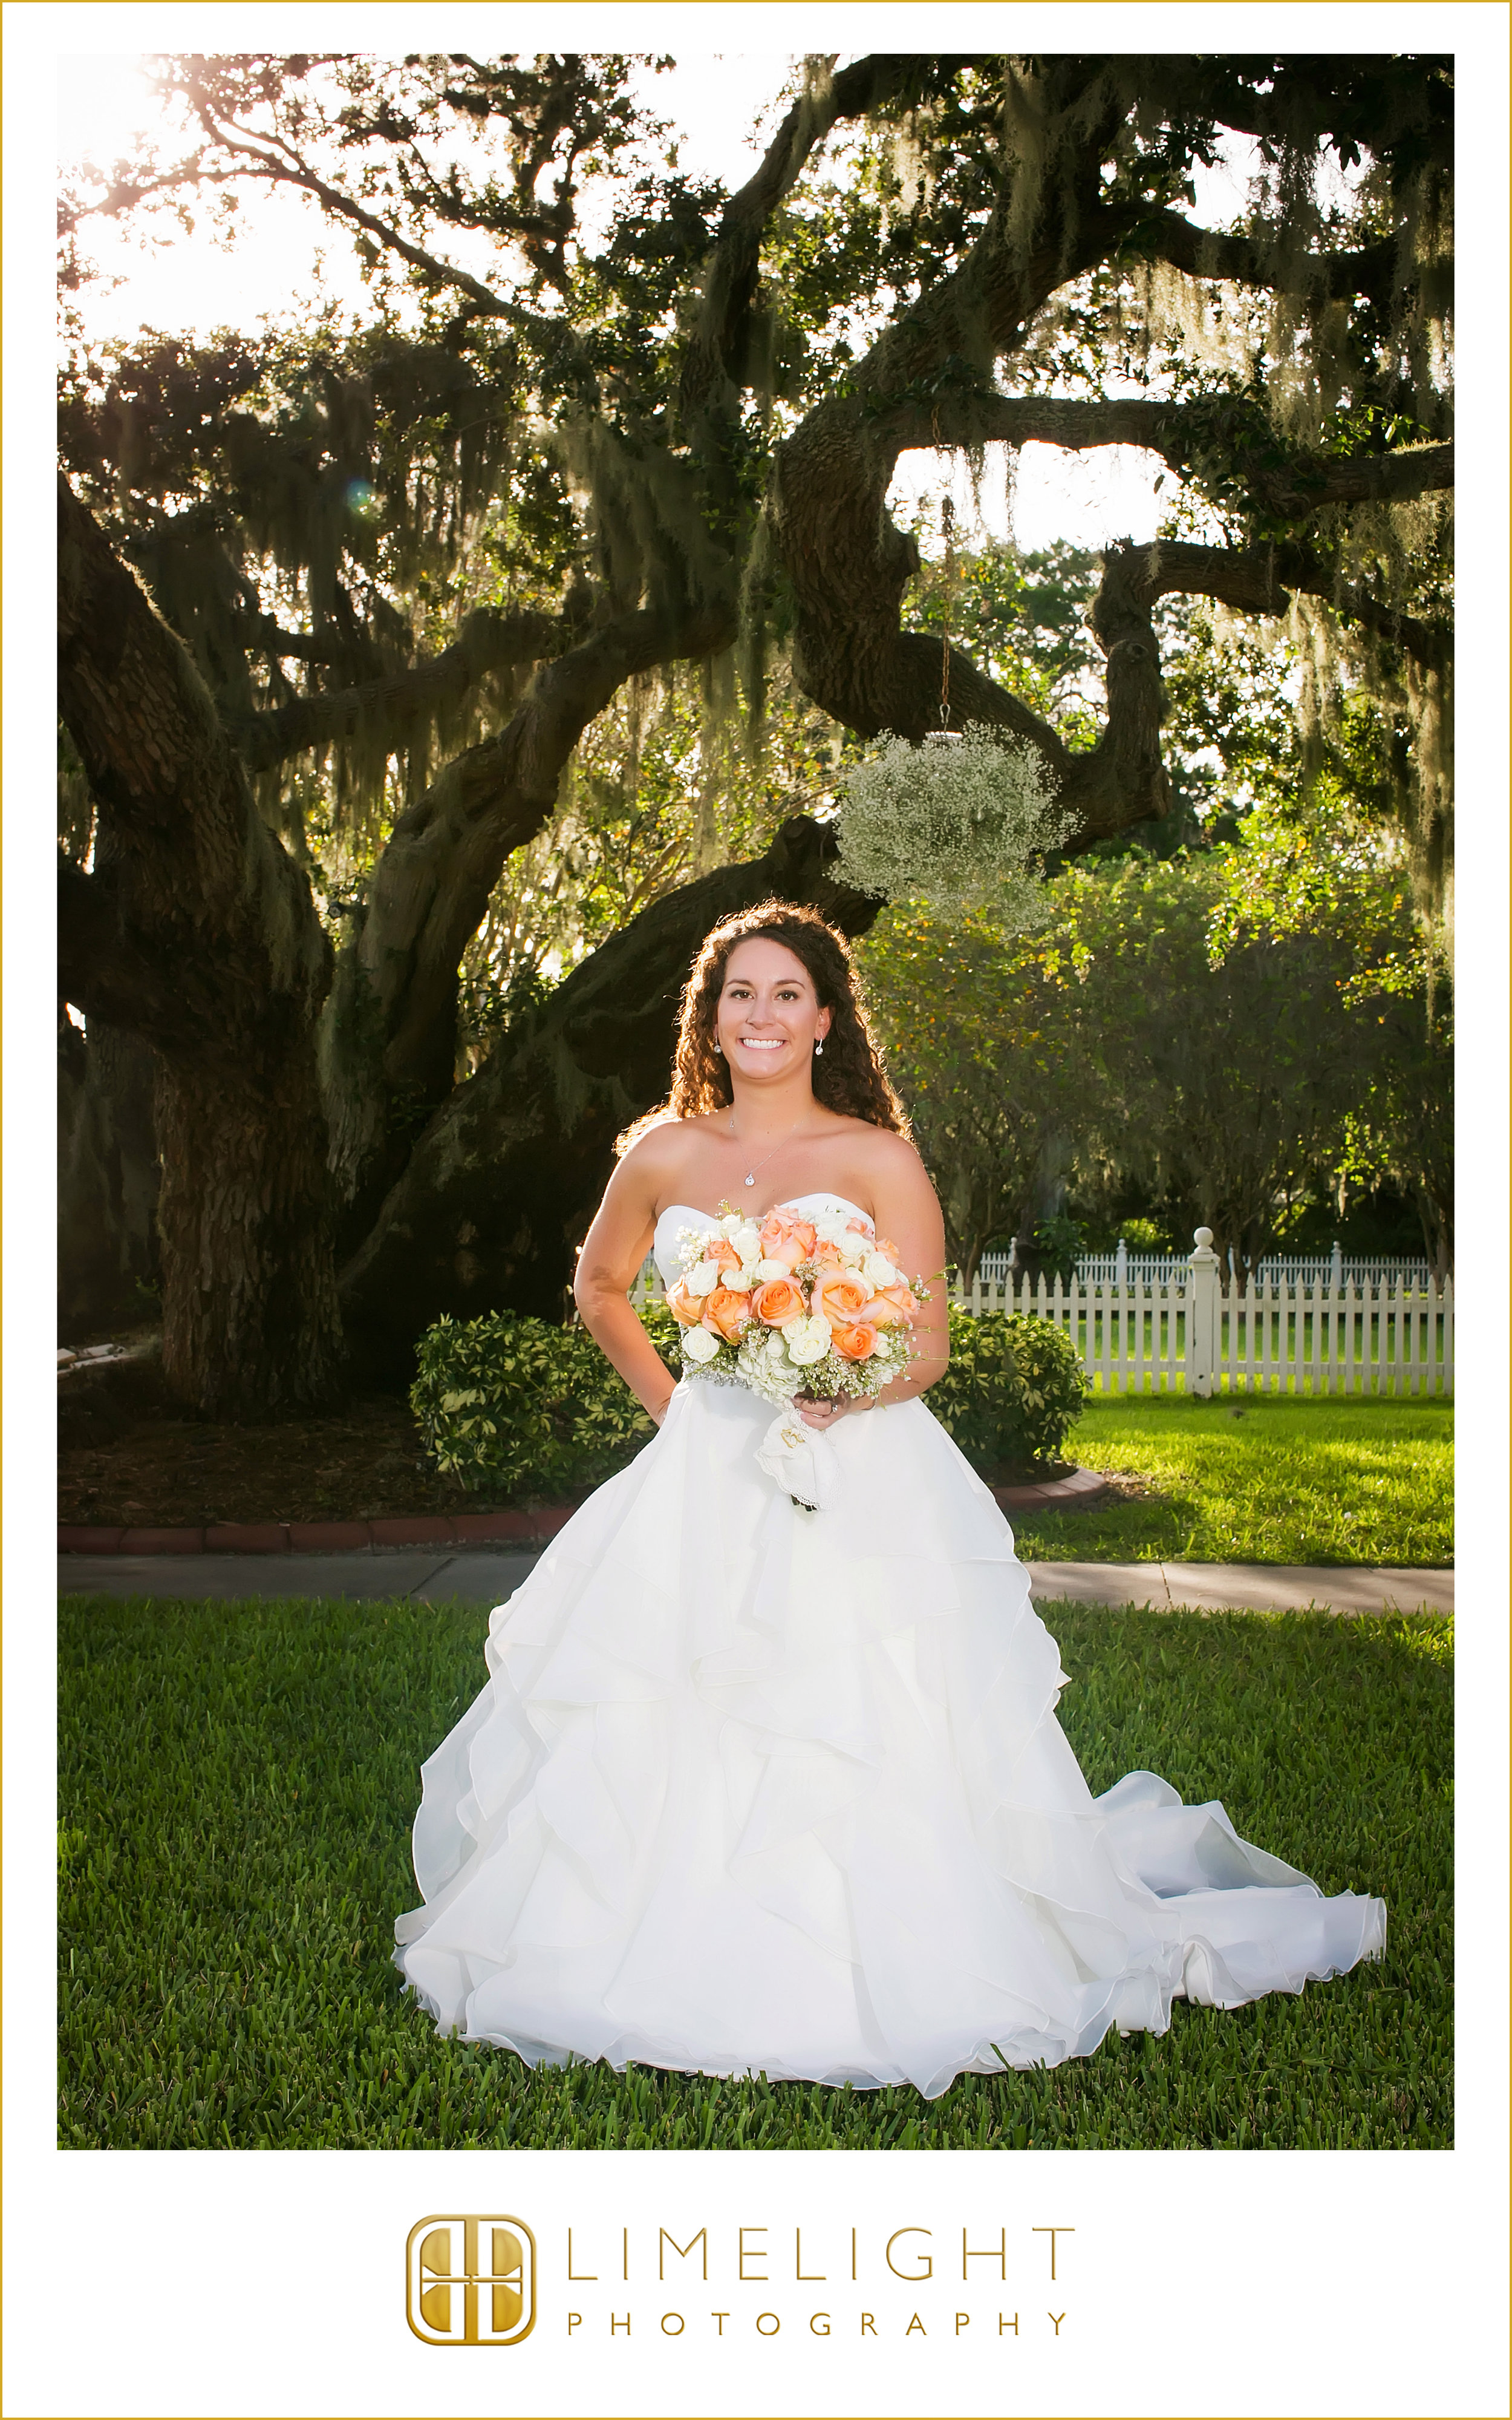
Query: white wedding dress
[[751, 1789]]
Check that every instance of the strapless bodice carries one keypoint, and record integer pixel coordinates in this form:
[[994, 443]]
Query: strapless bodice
[[679, 1214]]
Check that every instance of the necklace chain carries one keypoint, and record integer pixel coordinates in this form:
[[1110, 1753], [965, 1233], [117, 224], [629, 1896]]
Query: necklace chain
[[753, 1173]]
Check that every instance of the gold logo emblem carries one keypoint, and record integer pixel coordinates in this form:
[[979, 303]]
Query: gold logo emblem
[[471, 2281]]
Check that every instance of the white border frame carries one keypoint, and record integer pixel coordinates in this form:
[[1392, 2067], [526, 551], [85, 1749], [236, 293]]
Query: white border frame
[[1265, 2283]]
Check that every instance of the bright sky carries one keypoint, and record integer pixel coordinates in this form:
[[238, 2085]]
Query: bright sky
[[719, 107]]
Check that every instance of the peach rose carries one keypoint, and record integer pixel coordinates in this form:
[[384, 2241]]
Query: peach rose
[[827, 1256], [721, 1251], [726, 1313], [858, 1226], [892, 1307], [787, 1239], [684, 1304], [839, 1298], [779, 1301], [888, 1252], [857, 1343]]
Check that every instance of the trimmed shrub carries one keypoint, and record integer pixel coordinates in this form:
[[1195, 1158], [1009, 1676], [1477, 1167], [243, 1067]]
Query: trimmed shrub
[[1014, 1386], [525, 1409]]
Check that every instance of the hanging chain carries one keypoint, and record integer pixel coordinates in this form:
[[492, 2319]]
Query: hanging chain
[[947, 524]]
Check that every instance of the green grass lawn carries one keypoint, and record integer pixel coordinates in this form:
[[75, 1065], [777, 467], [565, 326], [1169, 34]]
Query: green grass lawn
[[1260, 1479], [237, 1786]]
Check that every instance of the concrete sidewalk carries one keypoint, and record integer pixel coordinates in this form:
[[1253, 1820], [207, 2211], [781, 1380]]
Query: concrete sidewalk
[[419, 1574], [486, 1576], [1247, 1587]]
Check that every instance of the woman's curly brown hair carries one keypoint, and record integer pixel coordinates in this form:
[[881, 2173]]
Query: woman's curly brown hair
[[848, 1077]]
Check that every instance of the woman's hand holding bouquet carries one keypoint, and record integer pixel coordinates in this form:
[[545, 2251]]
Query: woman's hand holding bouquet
[[795, 1306]]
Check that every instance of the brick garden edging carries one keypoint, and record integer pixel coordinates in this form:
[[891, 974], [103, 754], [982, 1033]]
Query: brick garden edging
[[1080, 1491], [1076, 1493], [323, 1537]]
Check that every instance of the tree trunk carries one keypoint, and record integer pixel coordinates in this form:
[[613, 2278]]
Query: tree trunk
[[500, 1189], [107, 1237], [196, 932], [1436, 1218], [251, 1321], [1043, 1201]]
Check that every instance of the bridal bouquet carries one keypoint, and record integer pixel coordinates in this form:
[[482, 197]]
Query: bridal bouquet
[[795, 1306]]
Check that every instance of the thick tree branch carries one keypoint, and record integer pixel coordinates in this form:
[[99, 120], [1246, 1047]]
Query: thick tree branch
[[848, 564], [1339, 277], [390, 1023], [1292, 489], [1262, 578], [260, 634], [719, 348], [928, 381], [383, 709]]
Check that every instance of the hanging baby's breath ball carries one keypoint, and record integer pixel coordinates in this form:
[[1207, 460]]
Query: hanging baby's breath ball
[[962, 822]]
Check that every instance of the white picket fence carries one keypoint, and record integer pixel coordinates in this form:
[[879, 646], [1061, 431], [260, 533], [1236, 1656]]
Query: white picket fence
[[1335, 1268], [1192, 1333]]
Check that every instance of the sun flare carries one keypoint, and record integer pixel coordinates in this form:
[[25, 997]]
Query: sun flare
[[103, 102]]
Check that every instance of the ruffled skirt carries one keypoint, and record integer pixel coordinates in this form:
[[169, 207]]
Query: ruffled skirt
[[754, 1789]]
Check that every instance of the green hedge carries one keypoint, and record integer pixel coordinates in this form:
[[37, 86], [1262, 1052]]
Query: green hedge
[[1014, 1389], [524, 1409]]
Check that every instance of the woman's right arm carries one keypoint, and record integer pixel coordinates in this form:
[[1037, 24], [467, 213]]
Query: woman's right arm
[[612, 1252]]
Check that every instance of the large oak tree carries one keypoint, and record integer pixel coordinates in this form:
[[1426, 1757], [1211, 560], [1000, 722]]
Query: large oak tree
[[602, 420]]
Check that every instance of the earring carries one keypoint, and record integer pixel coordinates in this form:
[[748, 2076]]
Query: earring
[[819, 1047], [717, 1050]]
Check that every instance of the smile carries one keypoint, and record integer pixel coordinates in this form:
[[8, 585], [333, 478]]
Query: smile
[[747, 1042]]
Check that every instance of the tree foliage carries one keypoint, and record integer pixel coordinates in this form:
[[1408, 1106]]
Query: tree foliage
[[604, 456], [1180, 1025]]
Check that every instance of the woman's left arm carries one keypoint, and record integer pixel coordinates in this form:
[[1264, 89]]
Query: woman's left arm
[[906, 1212]]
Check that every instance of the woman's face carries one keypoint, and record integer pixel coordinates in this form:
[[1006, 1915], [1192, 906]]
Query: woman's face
[[768, 1018]]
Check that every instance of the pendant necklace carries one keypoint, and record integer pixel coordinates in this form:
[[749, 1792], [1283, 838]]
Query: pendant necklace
[[752, 1173]]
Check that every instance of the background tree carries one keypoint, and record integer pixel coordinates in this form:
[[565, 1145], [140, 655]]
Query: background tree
[[1181, 1027], [997, 1065], [340, 609], [1402, 1132], [1230, 1082]]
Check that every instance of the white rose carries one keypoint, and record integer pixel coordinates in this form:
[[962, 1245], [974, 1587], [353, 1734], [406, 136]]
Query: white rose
[[702, 1277], [747, 1238], [699, 1345], [879, 1272], [767, 1271], [730, 1223], [831, 1227], [807, 1341], [739, 1280], [853, 1250]]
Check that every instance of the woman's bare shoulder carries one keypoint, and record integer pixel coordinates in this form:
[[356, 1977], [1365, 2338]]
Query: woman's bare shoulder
[[886, 1153], [664, 1149]]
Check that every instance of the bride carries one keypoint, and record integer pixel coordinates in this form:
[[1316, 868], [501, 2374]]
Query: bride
[[752, 1788]]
